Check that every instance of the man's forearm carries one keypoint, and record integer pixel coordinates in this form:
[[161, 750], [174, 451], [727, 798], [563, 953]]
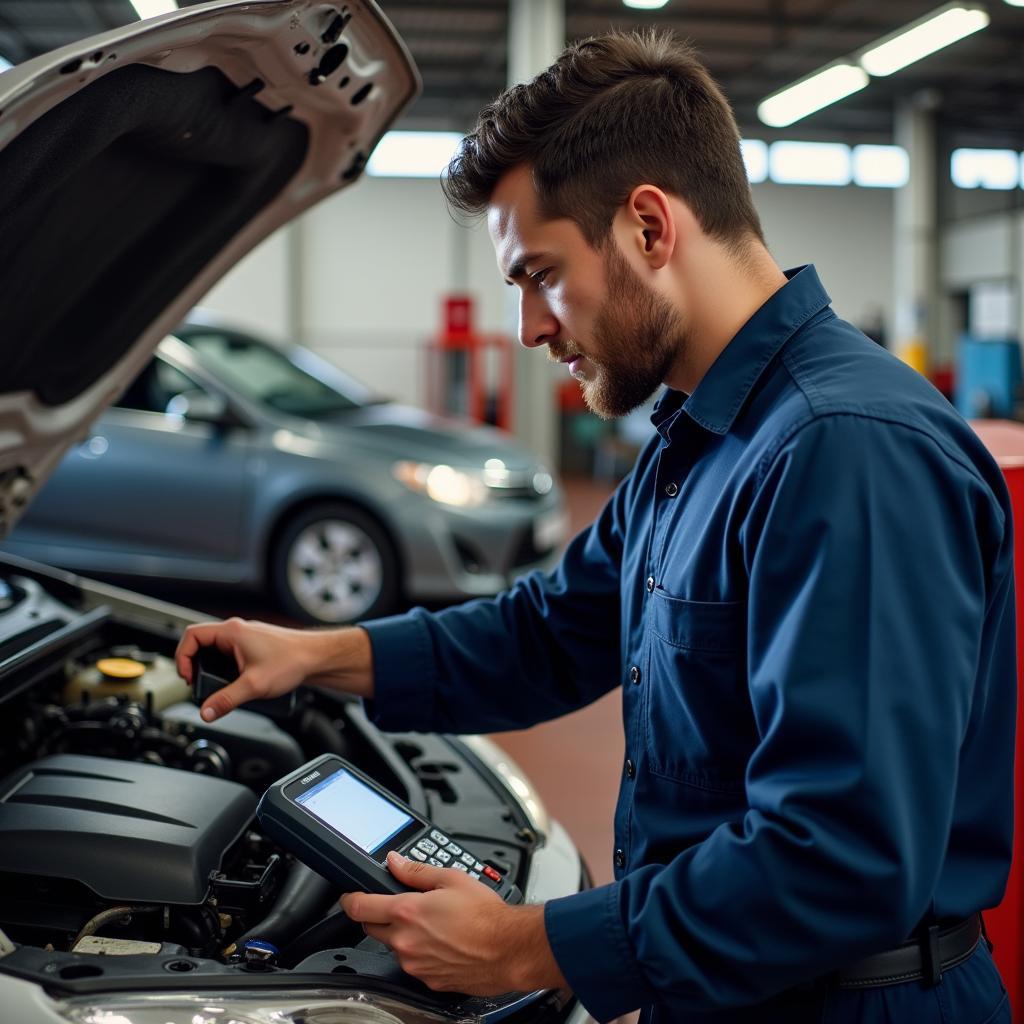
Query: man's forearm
[[342, 659]]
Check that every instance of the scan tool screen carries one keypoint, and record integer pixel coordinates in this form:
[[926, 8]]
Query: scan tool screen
[[350, 807]]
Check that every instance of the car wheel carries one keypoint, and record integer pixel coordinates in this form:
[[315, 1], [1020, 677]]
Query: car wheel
[[334, 564]]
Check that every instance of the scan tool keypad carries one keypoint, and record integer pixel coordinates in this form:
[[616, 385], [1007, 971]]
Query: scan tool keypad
[[437, 849]]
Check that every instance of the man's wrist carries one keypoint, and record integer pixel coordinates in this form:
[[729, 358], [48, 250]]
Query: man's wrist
[[342, 659], [531, 963]]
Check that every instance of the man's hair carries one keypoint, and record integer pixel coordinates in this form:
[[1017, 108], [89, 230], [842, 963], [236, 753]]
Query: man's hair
[[611, 113]]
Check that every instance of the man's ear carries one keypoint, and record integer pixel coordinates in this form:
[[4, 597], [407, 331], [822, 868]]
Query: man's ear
[[651, 225]]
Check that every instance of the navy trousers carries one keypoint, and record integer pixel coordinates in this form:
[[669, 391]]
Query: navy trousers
[[971, 993]]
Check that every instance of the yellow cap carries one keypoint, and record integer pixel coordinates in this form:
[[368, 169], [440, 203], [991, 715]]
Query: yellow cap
[[121, 668]]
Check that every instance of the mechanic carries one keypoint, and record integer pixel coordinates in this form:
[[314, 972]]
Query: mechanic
[[804, 589]]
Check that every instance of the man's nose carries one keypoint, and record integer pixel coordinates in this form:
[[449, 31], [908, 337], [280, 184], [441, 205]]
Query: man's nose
[[536, 327]]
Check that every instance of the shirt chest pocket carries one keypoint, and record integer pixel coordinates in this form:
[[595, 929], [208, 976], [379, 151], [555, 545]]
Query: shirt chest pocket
[[698, 722]]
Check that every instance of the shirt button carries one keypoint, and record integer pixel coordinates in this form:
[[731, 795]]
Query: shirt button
[[634, 674], [650, 584], [671, 490], [630, 769], [620, 859]]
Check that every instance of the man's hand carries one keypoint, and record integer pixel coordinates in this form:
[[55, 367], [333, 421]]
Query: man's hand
[[274, 660], [457, 935]]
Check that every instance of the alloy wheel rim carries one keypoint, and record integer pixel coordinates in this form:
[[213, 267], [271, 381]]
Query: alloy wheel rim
[[335, 570]]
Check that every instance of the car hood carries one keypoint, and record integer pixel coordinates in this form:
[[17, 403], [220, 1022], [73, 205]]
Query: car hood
[[414, 434], [140, 165]]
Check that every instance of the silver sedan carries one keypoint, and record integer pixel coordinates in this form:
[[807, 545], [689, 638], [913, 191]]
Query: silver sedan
[[232, 460]]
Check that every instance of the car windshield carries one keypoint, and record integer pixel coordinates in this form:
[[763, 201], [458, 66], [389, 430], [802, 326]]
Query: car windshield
[[265, 374]]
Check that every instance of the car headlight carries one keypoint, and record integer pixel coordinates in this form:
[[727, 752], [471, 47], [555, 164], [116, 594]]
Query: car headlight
[[444, 484], [279, 1007]]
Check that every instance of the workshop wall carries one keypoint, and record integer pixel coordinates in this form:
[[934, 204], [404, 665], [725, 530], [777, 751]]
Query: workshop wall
[[375, 264]]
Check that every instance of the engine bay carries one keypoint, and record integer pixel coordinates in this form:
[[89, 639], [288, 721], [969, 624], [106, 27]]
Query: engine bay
[[129, 850]]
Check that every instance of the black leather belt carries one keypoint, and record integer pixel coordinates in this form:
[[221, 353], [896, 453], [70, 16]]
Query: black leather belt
[[924, 958]]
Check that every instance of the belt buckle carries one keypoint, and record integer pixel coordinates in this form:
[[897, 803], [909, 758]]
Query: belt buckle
[[931, 960]]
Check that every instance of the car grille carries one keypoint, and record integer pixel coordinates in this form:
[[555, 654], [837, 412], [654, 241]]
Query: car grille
[[526, 493]]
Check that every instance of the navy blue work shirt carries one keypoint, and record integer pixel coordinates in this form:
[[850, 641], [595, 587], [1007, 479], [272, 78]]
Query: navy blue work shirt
[[804, 589]]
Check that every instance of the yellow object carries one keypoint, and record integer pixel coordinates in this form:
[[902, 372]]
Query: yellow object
[[129, 678], [121, 668], [915, 354]]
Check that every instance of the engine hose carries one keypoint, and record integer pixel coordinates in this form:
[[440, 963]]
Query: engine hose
[[319, 734], [335, 930], [122, 915], [304, 896]]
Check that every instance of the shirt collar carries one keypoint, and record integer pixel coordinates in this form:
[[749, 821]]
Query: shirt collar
[[724, 388]]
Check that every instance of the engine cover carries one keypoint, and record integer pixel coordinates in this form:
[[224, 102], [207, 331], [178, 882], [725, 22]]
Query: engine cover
[[131, 832]]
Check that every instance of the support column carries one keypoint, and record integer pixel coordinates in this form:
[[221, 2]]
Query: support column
[[915, 239], [536, 35], [295, 286]]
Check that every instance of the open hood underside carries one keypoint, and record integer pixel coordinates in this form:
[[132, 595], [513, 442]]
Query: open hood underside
[[139, 166]]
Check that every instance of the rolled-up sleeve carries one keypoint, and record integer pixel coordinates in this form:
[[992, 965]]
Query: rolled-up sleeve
[[879, 631]]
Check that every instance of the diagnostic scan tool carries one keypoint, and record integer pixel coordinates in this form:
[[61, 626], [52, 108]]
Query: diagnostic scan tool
[[342, 824]]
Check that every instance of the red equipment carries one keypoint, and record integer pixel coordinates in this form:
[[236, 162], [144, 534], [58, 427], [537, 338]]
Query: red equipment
[[470, 374], [1005, 924]]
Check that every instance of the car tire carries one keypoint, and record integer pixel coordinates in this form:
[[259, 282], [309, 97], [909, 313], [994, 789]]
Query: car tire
[[334, 564]]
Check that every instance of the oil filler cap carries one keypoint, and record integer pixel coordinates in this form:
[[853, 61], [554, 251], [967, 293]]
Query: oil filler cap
[[121, 668]]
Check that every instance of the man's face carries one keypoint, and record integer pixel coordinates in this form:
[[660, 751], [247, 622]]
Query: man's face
[[617, 336]]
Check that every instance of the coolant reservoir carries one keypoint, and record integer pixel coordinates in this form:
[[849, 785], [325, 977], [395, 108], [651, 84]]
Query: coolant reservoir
[[131, 677]]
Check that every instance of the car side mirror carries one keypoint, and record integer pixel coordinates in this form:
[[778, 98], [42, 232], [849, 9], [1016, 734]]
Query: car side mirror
[[199, 407]]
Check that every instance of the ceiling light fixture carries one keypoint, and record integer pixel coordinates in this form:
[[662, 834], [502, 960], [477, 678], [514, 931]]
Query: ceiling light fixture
[[920, 38], [152, 8], [824, 87], [645, 5]]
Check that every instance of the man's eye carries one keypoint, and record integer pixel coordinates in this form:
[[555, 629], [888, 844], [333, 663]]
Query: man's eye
[[539, 277]]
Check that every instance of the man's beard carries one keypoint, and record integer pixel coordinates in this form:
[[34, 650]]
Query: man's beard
[[637, 337]]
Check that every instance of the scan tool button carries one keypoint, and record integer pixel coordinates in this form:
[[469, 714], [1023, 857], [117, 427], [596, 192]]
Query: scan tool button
[[474, 874], [418, 854], [440, 838], [427, 846], [435, 862], [491, 873], [444, 856], [478, 866], [454, 850], [468, 859], [459, 866]]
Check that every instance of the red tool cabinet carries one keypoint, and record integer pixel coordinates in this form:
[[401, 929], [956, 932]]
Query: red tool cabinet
[[1005, 923]]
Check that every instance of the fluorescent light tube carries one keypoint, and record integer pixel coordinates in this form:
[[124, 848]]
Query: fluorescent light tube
[[645, 5], [880, 166], [755, 159], [1015, 3], [152, 8], [939, 29], [809, 163], [985, 168], [5, 64], [824, 87], [413, 154]]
